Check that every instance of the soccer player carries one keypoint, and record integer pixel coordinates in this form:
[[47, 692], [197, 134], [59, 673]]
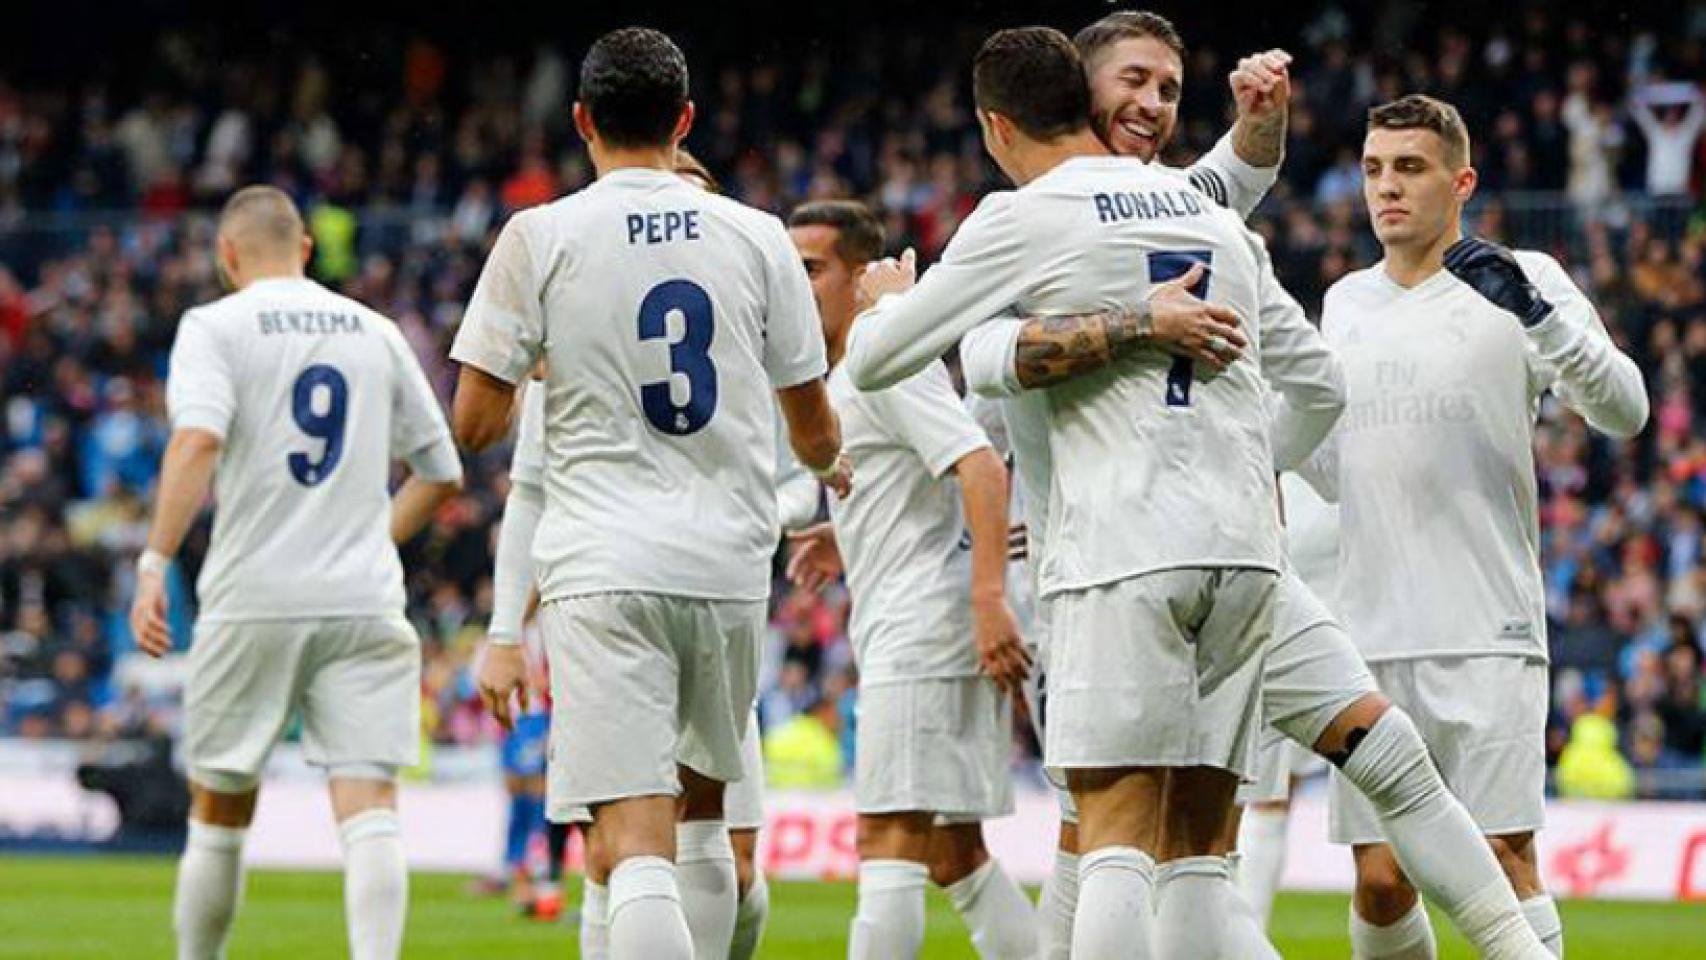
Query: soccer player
[[929, 602], [503, 664], [1449, 343], [292, 402], [1163, 553], [1317, 692], [665, 316]]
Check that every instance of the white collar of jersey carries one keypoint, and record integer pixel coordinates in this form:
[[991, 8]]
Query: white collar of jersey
[[639, 175], [1439, 278], [269, 282]]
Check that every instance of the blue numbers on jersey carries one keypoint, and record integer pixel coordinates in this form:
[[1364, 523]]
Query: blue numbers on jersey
[[690, 356], [326, 423], [1171, 265]]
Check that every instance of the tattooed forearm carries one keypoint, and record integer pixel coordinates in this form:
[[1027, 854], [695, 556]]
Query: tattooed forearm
[[1056, 348], [1260, 141]]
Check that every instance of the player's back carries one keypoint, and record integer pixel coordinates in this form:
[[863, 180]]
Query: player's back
[[310, 391], [1175, 452], [670, 315]]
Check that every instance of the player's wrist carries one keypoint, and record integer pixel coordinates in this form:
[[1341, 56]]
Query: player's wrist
[[152, 563], [503, 637], [1131, 329]]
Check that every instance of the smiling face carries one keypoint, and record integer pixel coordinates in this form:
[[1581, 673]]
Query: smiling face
[[1413, 193], [1135, 84]]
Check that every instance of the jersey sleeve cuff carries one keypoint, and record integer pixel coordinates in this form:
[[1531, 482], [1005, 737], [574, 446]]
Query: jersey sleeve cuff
[[211, 419], [436, 462], [944, 460]]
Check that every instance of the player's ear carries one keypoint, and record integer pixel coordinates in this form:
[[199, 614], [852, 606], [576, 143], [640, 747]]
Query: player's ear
[[307, 248], [684, 122], [583, 122], [1463, 183]]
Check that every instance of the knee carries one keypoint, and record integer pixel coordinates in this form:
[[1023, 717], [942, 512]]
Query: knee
[[1515, 854], [1383, 894], [952, 862]]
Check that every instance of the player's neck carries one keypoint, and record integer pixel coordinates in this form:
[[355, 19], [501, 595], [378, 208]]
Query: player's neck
[[259, 272], [1409, 265], [1040, 157], [611, 159]]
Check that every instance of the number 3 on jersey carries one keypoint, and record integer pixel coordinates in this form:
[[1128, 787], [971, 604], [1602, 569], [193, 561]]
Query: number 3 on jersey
[[1171, 265], [326, 423], [690, 357]]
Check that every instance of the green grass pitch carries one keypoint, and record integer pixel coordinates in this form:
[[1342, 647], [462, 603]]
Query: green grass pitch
[[52, 907]]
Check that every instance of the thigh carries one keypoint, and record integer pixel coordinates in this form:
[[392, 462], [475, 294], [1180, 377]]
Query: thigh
[[1310, 676], [244, 680], [614, 700], [361, 697]]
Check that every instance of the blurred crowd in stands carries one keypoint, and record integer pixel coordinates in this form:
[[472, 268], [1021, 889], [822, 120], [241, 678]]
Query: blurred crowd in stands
[[407, 156]]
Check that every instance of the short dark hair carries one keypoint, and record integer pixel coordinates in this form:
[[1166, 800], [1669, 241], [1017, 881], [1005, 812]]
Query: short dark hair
[[1034, 77], [634, 84], [1422, 112], [859, 234], [1124, 25]]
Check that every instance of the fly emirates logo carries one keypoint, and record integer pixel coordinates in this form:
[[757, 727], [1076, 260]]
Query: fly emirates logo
[[1402, 394]]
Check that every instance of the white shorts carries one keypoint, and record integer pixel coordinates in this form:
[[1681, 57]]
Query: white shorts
[[1313, 670], [1484, 721], [935, 746], [1279, 762], [641, 682], [1159, 670], [356, 680], [743, 800]]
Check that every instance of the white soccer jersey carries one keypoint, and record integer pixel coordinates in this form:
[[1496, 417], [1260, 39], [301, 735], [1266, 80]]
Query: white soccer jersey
[[667, 316], [527, 463], [901, 530], [1433, 460], [1147, 444], [314, 395], [1312, 538]]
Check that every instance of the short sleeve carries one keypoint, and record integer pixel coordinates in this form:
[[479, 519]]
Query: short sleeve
[[924, 413], [201, 390], [417, 420], [793, 342], [503, 330]]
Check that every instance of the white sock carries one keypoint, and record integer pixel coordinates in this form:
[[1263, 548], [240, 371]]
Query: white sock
[[646, 919], [1200, 916], [1115, 916], [1435, 840], [1002, 922], [1411, 938], [750, 917], [376, 884], [1541, 912], [210, 887], [705, 868], [595, 921], [1055, 909], [1261, 853], [889, 921]]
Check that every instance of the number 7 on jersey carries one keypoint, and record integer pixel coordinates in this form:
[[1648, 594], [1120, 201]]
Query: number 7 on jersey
[[1171, 265]]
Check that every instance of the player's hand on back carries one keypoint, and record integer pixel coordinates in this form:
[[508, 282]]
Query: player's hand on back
[[502, 679], [1000, 646], [814, 559], [1261, 85], [148, 615], [1494, 273], [886, 276], [1186, 326]]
